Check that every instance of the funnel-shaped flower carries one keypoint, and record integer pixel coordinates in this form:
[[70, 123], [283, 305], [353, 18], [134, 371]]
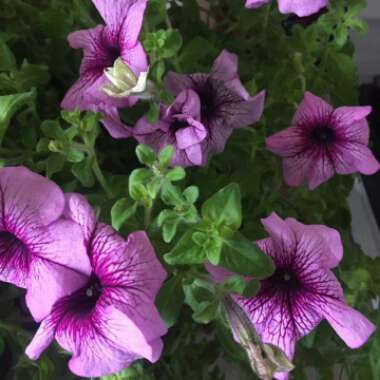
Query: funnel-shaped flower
[[102, 46], [179, 125], [225, 104], [110, 320], [303, 290], [35, 252], [300, 7], [323, 141]]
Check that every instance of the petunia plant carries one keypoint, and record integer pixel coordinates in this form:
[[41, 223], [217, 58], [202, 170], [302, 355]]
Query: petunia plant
[[174, 179]]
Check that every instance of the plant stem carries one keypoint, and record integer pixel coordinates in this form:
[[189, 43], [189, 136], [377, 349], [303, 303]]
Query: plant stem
[[100, 177]]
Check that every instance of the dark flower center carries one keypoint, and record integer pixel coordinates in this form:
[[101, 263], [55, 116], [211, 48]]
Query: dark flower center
[[285, 279], [93, 289], [113, 53], [13, 250], [177, 125], [322, 135]]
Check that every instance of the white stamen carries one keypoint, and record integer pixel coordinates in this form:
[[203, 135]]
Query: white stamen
[[89, 292]]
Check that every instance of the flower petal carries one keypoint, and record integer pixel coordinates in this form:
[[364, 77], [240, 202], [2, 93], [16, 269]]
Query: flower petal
[[332, 247], [256, 3], [187, 103], [175, 83], [321, 170], [312, 110], [353, 327], [195, 155], [41, 340], [79, 211], [112, 123], [286, 143], [301, 8], [296, 169], [195, 133], [136, 58], [28, 199], [346, 116]]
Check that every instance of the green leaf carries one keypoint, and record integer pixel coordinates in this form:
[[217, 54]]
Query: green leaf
[[170, 229], [83, 172], [234, 284], [244, 257], [186, 252], [9, 105], [170, 300], [165, 156], [7, 59], [145, 154], [121, 211], [251, 288], [207, 313], [224, 207], [176, 174], [191, 194], [54, 164]]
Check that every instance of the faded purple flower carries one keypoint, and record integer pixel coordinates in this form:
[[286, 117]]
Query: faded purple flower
[[110, 319], [34, 249], [323, 141], [303, 290], [178, 126], [102, 46], [225, 103], [300, 7]]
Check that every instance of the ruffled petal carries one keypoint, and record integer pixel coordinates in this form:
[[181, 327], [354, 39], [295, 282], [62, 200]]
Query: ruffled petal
[[301, 8], [187, 103], [353, 327], [195, 155], [195, 133]]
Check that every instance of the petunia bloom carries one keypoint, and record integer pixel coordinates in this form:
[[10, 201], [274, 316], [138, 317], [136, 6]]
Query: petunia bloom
[[300, 7], [225, 103], [323, 141], [110, 320], [179, 125], [102, 46], [35, 252], [303, 290]]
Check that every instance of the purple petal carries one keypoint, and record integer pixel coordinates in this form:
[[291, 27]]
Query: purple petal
[[195, 155], [280, 232], [320, 170], [256, 3], [28, 199], [41, 340], [123, 17], [79, 211], [327, 240], [188, 103], [112, 123], [219, 274], [191, 135], [136, 58], [346, 116], [296, 169], [353, 327], [286, 143], [225, 68], [301, 8], [48, 283], [175, 83], [312, 111]]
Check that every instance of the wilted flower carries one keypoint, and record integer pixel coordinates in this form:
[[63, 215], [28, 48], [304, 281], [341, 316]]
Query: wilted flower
[[110, 320], [299, 7], [303, 290], [225, 104], [323, 141], [102, 46], [178, 126], [35, 252]]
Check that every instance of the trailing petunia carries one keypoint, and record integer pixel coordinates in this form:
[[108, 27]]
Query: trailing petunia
[[303, 290], [323, 141], [225, 103], [117, 41], [35, 252], [110, 320], [179, 125], [300, 7]]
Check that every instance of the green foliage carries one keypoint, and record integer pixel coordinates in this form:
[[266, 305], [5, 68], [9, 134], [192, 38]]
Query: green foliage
[[193, 216]]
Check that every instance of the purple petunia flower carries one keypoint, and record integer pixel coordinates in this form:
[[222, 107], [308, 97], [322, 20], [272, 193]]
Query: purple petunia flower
[[34, 249], [178, 126], [303, 290], [110, 319], [300, 7], [103, 46], [323, 141], [225, 103]]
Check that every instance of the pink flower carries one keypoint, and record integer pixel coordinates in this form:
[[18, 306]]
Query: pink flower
[[300, 7], [303, 290], [323, 141], [102, 46], [34, 249], [110, 319], [178, 126], [225, 103]]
